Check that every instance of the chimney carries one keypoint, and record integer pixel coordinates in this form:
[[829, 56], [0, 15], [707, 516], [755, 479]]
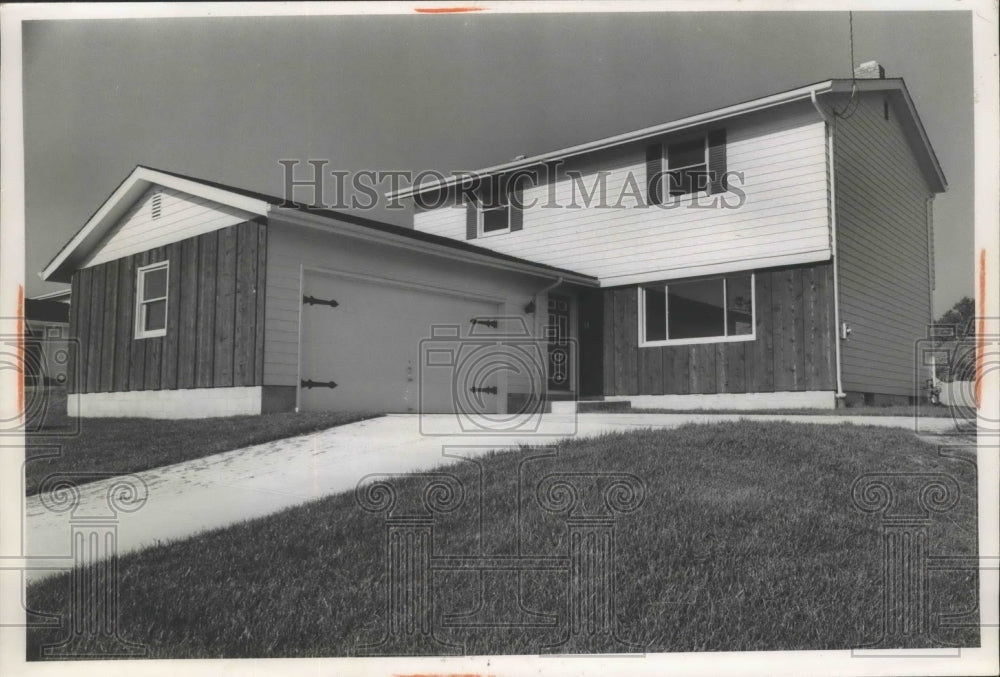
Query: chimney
[[869, 69]]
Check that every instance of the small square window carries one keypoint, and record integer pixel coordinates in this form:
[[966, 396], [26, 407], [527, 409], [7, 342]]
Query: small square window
[[496, 219], [151, 300]]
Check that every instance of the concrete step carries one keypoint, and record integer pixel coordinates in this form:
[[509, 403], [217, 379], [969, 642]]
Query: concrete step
[[590, 405]]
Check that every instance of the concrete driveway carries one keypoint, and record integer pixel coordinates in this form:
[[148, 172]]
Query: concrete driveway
[[190, 497]]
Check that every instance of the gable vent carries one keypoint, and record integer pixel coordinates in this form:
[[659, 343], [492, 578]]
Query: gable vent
[[155, 206]]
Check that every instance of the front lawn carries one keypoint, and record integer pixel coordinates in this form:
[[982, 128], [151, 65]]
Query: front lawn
[[924, 411], [747, 539], [126, 445]]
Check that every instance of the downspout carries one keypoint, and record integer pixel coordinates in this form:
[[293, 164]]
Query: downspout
[[830, 126]]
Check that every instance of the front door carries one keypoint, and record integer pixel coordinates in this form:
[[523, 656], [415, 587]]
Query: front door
[[557, 334]]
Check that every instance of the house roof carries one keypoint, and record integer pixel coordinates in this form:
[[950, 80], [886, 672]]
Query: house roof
[[46, 310], [894, 87], [89, 237]]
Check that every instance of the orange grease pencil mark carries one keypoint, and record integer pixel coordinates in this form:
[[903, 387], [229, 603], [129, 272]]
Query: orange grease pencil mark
[[431, 674], [981, 329], [20, 353], [446, 10]]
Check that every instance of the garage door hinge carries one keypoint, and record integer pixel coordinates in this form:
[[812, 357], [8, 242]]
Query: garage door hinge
[[488, 323], [319, 302], [492, 390], [318, 384]]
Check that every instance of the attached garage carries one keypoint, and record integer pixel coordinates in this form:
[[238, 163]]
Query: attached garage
[[362, 339], [261, 305]]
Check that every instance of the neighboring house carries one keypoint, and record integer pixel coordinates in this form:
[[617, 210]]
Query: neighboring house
[[809, 279], [46, 341], [777, 252]]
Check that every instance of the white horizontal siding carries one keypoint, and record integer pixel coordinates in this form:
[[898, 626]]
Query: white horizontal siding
[[784, 218], [290, 247], [883, 250], [181, 216]]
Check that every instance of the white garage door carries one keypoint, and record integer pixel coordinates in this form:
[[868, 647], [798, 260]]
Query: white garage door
[[363, 341]]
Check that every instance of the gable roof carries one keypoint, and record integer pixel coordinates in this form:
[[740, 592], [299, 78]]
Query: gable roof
[[86, 240], [894, 87]]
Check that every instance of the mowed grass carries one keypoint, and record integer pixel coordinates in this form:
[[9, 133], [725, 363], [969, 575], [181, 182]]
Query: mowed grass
[[127, 445], [747, 539], [924, 411]]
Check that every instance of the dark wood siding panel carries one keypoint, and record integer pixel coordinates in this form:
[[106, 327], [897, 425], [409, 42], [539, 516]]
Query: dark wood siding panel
[[208, 246], [761, 349], [137, 359], [650, 371], [631, 348], [246, 305], [108, 322], [188, 314], [96, 330], [735, 380], [704, 378], [620, 343], [171, 342], [225, 308], [216, 311], [676, 364], [74, 329], [261, 291], [126, 322], [608, 342], [793, 348]]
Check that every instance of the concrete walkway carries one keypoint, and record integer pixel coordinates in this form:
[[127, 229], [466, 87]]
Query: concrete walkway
[[230, 487]]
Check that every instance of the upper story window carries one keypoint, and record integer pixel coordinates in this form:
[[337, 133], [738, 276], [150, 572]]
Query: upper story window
[[497, 209], [685, 166], [494, 220], [709, 310], [151, 300]]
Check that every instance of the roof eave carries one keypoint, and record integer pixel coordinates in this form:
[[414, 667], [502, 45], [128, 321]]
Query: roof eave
[[628, 137]]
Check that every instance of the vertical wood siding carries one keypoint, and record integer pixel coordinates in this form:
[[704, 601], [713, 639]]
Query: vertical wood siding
[[792, 351], [215, 313], [883, 250], [785, 216]]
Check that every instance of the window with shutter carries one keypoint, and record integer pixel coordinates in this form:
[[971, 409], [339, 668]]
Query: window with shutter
[[685, 166], [489, 216]]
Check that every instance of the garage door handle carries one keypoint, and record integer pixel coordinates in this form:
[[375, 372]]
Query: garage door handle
[[312, 300], [318, 384], [492, 390]]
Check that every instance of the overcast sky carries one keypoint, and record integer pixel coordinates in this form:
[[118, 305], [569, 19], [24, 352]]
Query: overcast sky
[[225, 99]]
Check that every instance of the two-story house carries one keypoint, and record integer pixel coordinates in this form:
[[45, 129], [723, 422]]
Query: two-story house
[[777, 252]]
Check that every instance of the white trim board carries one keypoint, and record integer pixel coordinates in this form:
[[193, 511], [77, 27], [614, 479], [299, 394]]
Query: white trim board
[[167, 404], [807, 399]]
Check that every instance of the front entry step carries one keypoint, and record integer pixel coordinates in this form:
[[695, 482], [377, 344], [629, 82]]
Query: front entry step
[[584, 406]]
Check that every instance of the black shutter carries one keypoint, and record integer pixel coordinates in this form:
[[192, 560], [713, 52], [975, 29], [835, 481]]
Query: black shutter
[[516, 209], [717, 162], [471, 220], [654, 174]]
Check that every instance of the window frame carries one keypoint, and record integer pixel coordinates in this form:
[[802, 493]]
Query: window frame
[[481, 220], [725, 338], [667, 169], [140, 302]]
